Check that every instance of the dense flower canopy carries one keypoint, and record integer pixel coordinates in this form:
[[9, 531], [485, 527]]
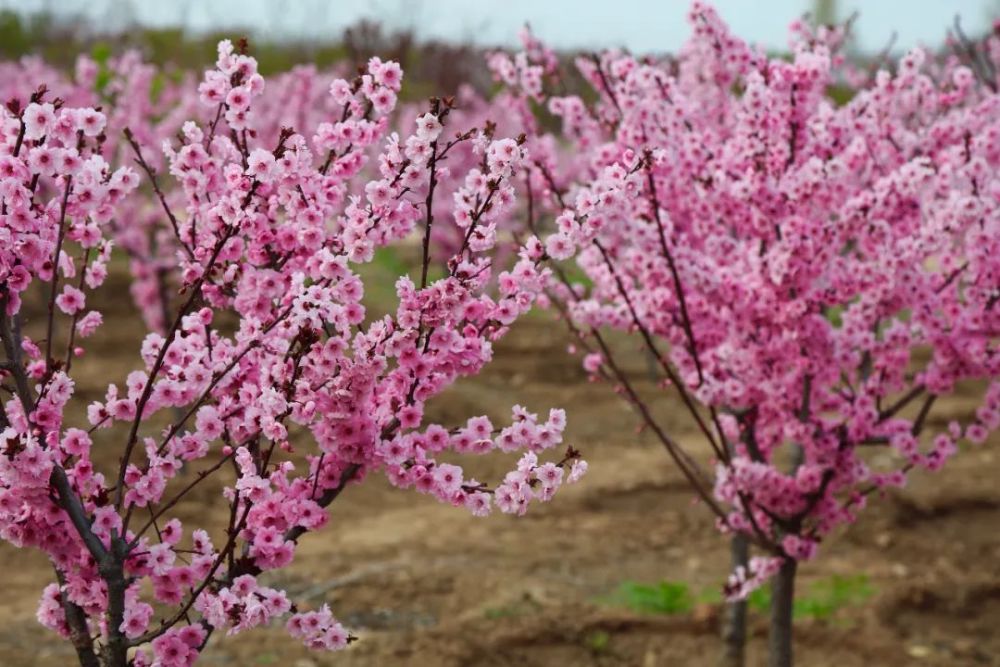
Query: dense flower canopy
[[271, 338], [808, 252], [807, 274]]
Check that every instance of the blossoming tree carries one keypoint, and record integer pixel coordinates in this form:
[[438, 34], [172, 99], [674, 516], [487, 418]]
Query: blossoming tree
[[809, 277], [269, 341]]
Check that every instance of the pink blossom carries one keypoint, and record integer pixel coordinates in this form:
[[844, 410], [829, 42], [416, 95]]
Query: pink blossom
[[38, 120], [71, 300], [89, 323]]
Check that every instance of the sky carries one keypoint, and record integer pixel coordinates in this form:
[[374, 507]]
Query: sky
[[639, 25]]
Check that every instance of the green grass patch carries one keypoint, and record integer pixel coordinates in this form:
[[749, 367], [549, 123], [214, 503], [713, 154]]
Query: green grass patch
[[819, 600]]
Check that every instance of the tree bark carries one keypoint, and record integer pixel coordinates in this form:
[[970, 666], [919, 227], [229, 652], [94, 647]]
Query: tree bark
[[734, 622], [115, 651], [79, 633], [782, 598]]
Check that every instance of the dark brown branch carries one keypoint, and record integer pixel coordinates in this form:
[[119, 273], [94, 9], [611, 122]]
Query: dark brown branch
[[903, 401], [76, 621], [650, 344], [328, 497], [688, 467], [155, 369], [605, 84], [151, 175], [55, 271], [160, 511], [674, 273], [429, 216]]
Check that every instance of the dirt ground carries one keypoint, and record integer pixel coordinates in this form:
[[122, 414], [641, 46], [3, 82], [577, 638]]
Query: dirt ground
[[423, 584]]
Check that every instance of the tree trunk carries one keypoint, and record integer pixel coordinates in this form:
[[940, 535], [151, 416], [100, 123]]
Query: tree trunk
[[734, 622], [782, 598], [115, 651], [79, 633]]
